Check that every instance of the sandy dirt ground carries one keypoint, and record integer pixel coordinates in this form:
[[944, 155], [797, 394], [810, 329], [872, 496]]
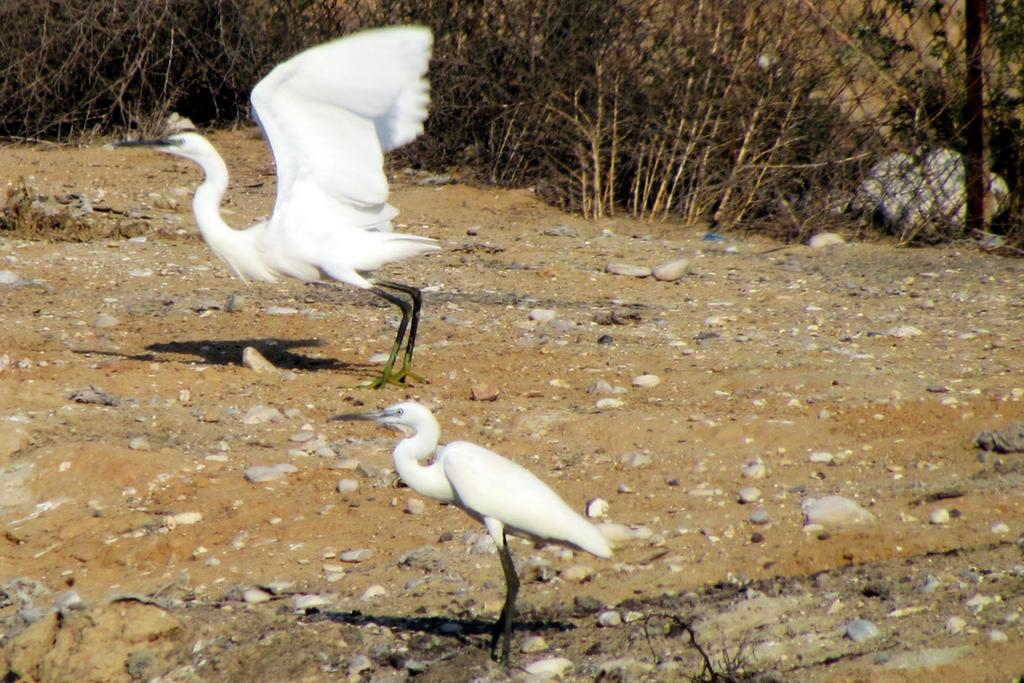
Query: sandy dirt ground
[[135, 548]]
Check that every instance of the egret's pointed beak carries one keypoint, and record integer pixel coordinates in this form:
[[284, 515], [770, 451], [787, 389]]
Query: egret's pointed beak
[[162, 142], [374, 416]]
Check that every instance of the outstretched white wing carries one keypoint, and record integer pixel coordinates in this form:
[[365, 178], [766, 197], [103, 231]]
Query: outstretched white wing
[[330, 112]]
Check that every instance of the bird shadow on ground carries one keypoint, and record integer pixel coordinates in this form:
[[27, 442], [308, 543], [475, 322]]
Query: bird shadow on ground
[[452, 627], [229, 352]]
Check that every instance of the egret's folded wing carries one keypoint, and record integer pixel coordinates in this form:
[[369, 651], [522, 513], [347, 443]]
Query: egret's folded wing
[[493, 486], [330, 112]]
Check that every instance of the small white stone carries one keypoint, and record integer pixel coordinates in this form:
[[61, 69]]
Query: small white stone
[[608, 403], [597, 507], [749, 494], [577, 572], [255, 361], [976, 603], [956, 625], [904, 331], [552, 667], [628, 269], [308, 601], [997, 636], [182, 519], [374, 591], [348, 486], [8, 277], [532, 644], [105, 320], [820, 457], [939, 516], [415, 506], [835, 510], [1000, 528], [258, 474], [357, 555], [754, 469], [261, 414], [609, 617], [139, 443], [671, 270], [281, 310], [825, 239], [646, 381], [255, 596], [542, 315]]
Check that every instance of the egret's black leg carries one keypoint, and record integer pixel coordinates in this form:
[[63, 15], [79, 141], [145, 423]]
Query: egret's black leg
[[389, 376], [417, 303], [503, 627]]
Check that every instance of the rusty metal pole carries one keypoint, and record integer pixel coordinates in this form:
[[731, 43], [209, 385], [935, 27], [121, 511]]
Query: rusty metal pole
[[976, 178]]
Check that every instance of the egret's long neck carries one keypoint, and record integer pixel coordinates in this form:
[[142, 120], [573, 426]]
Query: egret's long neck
[[209, 194], [426, 480]]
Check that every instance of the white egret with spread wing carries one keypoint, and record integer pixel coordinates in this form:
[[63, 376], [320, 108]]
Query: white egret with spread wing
[[329, 114], [504, 496]]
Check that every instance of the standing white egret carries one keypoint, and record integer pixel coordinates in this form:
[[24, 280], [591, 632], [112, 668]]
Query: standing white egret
[[329, 114], [505, 497]]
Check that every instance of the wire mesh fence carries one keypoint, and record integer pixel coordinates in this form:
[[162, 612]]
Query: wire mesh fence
[[788, 116]]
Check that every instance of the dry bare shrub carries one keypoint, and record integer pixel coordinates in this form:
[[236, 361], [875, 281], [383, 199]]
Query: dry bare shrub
[[763, 115]]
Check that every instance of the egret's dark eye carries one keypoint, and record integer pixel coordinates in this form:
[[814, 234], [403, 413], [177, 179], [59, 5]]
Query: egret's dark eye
[[400, 411]]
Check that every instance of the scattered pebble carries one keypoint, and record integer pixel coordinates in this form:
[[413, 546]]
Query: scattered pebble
[[671, 270], [956, 625], [357, 555], [627, 269], [261, 414], [825, 239], [139, 443], [308, 601], [281, 310], [749, 494], [904, 331], [1000, 528], [8, 277], [939, 516], [597, 507], [262, 473], [609, 617], [861, 630], [255, 361], [182, 519], [836, 510], [348, 486], [759, 517], [577, 572], [997, 636], [357, 665], [484, 391], [235, 303], [754, 469], [374, 591], [608, 403], [820, 457], [69, 600], [646, 381], [415, 506], [542, 315], [255, 596], [976, 603], [552, 667], [532, 644], [105, 320]]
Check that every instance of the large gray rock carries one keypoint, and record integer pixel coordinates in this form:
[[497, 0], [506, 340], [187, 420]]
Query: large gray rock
[[904, 192]]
